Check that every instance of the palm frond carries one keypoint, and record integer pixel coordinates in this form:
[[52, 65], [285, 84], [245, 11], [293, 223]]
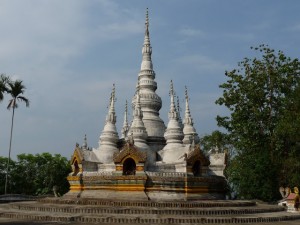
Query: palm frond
[[24, 99], [3, 85], [15, 89], [5, 79]]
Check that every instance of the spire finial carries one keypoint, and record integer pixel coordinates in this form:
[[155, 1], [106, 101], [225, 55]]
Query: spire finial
[[112, 96], [186, 93], [125, 124], [147, 23], [171, 93], [113, 93], [178, 111], [111, 112], [84, 146], [147, 50], [187, 107], [178, 106], [173, 112]]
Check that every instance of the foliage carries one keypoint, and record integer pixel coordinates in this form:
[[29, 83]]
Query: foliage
[[219, 140], [36, 174], [3, 162], [3, 85], [263, 98], [253, 176]]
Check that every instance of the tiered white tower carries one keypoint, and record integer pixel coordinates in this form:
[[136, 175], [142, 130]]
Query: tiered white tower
[[150, 102]]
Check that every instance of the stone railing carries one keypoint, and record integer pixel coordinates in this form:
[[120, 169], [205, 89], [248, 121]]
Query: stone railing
[[165, 174], [97, 173]]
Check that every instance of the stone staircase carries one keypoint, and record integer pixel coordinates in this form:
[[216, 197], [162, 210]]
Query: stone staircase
[[105, 211]]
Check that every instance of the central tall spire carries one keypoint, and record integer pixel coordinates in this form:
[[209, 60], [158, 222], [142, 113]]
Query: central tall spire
[[147, 50], [150, 102]]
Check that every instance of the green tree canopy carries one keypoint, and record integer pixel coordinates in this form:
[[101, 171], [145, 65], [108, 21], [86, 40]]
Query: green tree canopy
[[36, 174], [217, 139], [263, 98]]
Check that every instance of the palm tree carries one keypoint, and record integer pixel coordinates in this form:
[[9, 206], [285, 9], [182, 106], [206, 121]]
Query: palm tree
[[15, 89], [3, 85]]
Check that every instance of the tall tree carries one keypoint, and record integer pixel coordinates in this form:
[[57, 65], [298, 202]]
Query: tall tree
[[15, 89], [258, 95]]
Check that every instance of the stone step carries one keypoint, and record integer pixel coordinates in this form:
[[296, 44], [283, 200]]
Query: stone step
[[107, 211], [83, 209], [150, 219], [156, 204]]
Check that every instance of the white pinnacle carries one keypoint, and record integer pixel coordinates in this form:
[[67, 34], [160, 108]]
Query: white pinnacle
[[109, 137], [125, 123], [137, 127], [189, 131], [173, 132]]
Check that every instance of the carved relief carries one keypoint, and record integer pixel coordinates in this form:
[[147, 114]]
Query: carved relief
[[131, 151]]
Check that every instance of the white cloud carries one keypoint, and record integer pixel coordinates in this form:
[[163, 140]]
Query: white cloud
[[202, 63], [240, 36], [191, 32], [118, 30], [295, 27]]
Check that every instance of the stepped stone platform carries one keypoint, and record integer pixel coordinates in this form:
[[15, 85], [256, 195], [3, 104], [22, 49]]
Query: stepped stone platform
[[106, 211]]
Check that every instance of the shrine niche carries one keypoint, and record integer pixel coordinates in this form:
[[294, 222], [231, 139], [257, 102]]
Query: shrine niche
[[196, 169], [129, 167], [196, 161], [130, 160], [76, 161]]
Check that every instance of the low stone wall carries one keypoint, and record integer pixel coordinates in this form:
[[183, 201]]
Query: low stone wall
[[16, 198]]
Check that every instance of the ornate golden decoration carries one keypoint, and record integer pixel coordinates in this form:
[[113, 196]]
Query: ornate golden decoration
[[139, 168], [77, 156], [119, 168], [73, 178], [130, 151]]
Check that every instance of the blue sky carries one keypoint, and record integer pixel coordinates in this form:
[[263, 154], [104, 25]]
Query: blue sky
[[69, 53]]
